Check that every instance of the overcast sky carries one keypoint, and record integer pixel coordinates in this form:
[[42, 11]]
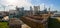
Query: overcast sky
[[10, 4]]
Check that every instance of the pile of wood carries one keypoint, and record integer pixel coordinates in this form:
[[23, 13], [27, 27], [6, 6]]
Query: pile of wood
[[14, 23], [35, 21], [38, 17]]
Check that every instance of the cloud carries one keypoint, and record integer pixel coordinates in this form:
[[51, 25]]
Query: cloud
[[42, 6], [15, 2], [51, 6], [25, 3], [18, 3]]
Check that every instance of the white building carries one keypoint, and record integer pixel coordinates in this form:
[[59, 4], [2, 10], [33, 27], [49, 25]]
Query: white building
[[36, 9], [13, 12]]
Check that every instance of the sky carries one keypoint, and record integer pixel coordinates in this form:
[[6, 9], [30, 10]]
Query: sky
[[11, 4]]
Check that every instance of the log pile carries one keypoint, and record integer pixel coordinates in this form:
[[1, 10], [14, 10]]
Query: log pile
[[14, 23], [35, 21]]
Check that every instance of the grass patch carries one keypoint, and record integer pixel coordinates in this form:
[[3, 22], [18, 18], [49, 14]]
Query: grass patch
[[3, 25]]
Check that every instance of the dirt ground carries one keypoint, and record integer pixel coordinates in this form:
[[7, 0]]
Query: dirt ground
[[25, 26]]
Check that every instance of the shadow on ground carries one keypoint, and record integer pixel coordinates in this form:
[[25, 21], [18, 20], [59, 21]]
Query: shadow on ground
[[53, 23]]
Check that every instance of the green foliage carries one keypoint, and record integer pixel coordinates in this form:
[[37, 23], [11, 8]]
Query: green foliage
[[53, 23], [3, 25]]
